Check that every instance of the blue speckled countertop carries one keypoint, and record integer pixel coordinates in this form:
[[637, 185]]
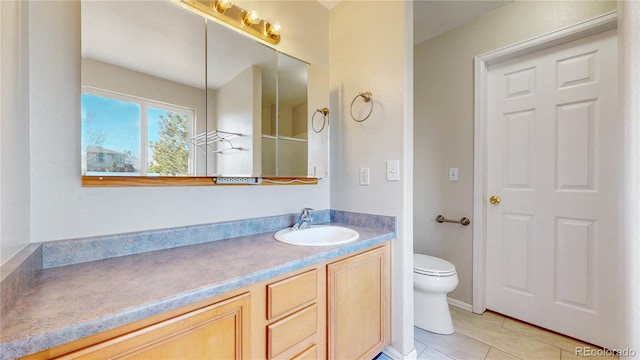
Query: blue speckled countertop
[[66, 303]]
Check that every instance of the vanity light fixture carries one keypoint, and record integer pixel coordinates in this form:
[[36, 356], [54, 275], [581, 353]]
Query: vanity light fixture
[[248, 21]]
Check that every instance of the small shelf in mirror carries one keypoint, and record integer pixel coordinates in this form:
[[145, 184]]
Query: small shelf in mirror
[[213, 137]]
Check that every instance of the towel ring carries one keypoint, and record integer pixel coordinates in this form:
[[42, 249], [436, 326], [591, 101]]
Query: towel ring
[[324, 111], [366, 96]]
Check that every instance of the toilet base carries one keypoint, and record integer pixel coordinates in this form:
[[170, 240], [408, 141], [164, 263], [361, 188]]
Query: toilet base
[[431, 313]]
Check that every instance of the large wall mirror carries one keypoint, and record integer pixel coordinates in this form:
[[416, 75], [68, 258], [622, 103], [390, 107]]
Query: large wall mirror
[[166, 92]]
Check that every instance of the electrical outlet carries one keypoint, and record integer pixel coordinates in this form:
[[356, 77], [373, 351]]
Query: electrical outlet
[[453, 174], [393, 170], [364, 176]]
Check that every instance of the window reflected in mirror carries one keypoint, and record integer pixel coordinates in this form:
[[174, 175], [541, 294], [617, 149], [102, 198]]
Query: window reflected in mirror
[[127, 136]]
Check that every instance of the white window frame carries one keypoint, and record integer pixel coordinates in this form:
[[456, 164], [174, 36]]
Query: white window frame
[[144, 123]]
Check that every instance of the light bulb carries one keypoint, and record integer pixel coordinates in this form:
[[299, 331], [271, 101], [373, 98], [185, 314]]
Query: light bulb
[[274, 31], [223, 5], [251, 18]]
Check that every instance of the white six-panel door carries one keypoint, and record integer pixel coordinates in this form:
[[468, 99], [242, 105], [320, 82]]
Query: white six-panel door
[[552, 159]]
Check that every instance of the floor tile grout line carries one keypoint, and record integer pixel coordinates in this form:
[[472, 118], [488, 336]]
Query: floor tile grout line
[[451, 356], [439, 352], [536, 339], [423, 350]]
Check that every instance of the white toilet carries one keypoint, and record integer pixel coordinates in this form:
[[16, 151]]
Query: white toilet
[[433, 278]]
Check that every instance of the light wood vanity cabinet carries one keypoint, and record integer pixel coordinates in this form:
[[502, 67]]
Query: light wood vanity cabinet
[[337, 310], [216, 331], [359, 305]]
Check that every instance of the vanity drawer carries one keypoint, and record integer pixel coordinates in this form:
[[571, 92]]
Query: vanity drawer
[[310, 353], [292, 330], [290, 293]]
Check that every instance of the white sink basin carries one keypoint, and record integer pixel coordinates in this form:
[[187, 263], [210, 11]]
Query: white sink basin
[[317, 235]]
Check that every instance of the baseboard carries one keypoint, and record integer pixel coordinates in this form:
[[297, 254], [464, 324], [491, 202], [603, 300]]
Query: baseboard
[[460, 304], [395, 355]]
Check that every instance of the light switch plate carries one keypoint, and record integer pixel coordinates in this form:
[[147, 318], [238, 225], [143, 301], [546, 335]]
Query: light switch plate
[[364, 176], [453, 174], [393, 170]]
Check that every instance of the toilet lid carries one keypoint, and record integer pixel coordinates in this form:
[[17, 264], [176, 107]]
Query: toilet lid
[[431, 265]]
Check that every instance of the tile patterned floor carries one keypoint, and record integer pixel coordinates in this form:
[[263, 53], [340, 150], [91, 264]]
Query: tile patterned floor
[[492, 336]]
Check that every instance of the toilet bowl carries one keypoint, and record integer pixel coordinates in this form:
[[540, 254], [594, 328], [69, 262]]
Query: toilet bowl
[[433, 278]]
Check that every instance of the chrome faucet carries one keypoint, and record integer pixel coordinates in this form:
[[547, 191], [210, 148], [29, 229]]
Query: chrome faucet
[[303, 218]]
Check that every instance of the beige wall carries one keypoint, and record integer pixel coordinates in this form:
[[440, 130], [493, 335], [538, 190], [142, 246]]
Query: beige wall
[[299, 128], [110, 77], [443, 137], [372, 58], [14, 129], [292, 156]]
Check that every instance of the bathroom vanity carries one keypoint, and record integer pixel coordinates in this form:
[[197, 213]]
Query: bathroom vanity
[[246, 297], [278, 318]]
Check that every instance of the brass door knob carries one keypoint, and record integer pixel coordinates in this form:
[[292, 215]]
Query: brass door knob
[[495, 199]]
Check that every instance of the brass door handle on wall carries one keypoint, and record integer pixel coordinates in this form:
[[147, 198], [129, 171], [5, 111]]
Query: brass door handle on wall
[[495, 199]]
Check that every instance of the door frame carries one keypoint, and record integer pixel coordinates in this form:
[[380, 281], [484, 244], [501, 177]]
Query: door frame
[[586, 28]]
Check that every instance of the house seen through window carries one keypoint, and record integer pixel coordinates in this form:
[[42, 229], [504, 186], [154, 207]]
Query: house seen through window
[[129, 136]]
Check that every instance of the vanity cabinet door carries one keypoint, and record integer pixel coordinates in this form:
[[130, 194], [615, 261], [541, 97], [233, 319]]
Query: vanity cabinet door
[[218, 331], [359, 305]]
